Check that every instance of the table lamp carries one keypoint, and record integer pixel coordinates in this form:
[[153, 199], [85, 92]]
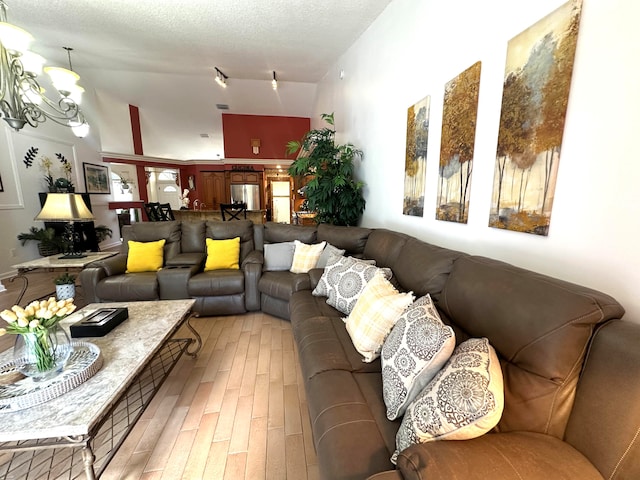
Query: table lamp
[[70, 208]]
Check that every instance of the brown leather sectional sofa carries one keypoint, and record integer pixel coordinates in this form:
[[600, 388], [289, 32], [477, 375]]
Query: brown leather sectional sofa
[[571, 366]]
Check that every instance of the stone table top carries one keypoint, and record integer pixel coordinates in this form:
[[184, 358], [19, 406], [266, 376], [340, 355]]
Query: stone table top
[[54, 261], [125, 350]]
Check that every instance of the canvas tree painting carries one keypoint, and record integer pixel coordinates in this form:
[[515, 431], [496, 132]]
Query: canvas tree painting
[[415, 167], [534, 104], [460, 111]]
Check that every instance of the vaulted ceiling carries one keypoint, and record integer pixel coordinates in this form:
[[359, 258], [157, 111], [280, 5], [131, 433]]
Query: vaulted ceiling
[[160, 55]]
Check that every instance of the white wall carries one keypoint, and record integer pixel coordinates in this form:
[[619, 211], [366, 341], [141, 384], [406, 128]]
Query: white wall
[[416, 46], [17, 219]]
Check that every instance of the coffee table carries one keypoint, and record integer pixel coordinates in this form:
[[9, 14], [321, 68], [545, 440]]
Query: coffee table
[[80, 431]]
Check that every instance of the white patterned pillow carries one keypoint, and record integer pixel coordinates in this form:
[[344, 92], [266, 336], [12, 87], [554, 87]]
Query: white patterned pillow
[[374, 315], [415, 350], [465, 399], [343, 280]]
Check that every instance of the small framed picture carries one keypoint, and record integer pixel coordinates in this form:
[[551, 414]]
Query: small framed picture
[[192, 182], [96, 178]]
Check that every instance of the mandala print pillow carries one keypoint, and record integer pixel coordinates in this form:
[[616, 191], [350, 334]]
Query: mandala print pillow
[[413, 353], [343, 280], [464, 400]]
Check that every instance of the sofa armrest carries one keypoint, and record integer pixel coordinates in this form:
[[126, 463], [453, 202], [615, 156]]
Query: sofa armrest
[[115, 265], [254, 256], [252, 274], [497, 455], [89, 278], [173, 281], [314, 277]]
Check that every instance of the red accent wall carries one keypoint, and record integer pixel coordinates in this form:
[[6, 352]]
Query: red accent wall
[[273, 132], [136, 133]]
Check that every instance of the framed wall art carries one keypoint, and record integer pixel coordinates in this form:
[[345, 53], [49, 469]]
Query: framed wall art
[[96, 178], [459, 114], [534, 105], [415, 166]]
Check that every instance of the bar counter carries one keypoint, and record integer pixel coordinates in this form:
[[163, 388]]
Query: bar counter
[[256, 216]]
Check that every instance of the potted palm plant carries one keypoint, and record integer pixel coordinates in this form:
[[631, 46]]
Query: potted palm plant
[[48, 242], [331, 191]]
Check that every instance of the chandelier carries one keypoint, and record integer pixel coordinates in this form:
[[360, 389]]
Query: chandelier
[[22, 100]]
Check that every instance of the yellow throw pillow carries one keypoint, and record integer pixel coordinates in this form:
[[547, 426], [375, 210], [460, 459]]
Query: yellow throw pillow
[[222, 254], [145, 256]]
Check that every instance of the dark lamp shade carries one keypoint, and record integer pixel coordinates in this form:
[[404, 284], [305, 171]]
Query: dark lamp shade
[[64, 207]]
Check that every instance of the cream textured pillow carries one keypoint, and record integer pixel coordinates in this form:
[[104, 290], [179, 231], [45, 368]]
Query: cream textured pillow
[[306, 256], [413, 353], [374, 315], [465, 399]]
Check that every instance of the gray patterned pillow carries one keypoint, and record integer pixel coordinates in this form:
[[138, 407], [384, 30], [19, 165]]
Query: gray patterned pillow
[[465, 399], [343, 280], [415, 350], [328, 251]]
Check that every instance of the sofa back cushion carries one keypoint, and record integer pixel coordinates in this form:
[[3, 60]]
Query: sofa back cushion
[[423, 268], [151, 232], [384, 246], [227, 230], [539, 326], [281, 232], [350, 239], [193, 237]]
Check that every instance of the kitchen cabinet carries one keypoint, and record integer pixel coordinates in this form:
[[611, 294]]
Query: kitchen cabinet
[[215, 190], [245, 177]]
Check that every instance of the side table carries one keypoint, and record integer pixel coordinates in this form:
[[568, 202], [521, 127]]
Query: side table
[[52, 263]]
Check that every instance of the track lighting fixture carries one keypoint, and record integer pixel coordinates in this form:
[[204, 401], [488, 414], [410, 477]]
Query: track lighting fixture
[[221, 78], [274, 82]]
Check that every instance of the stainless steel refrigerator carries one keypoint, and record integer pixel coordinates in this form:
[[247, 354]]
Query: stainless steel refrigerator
[[246, 193]]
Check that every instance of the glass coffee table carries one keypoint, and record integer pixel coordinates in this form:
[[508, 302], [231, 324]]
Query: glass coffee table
[[76, 434]]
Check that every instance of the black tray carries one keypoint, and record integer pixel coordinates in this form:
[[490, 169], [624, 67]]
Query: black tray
[[99, 323]]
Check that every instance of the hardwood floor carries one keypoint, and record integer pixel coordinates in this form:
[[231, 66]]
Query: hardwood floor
[[236, 411]]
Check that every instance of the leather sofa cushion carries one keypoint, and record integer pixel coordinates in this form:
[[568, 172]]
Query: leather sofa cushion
[[232, 229], [128, 287], [345, 426], [497, 455], [281, 232], [282, 284], [324, 345], [216, 283], [384, 246], [423, 268], [151, 232], [193, 237], [540, 328], [351, 239]]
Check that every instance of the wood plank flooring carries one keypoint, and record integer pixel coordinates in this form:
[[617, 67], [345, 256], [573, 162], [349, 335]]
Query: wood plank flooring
[[236, 411]]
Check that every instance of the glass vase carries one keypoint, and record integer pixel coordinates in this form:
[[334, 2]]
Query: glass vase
[[42, 354]]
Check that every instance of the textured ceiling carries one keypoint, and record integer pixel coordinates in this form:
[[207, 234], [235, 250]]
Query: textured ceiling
[[160, 56], [247, 39]]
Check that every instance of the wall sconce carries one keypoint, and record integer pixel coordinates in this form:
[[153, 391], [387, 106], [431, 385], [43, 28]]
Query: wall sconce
[[274, 82], [255, 145], [221, 78]]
